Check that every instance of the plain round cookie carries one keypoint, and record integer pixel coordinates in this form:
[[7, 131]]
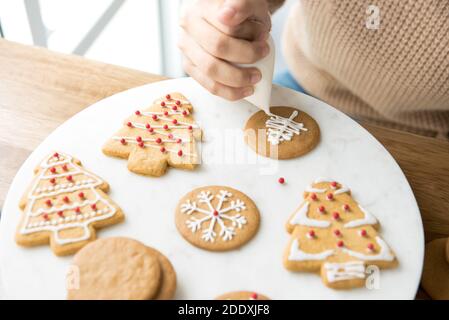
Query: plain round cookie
[[298, 146], [435, 277], [242, 295], [116, 269], [242, 235], [167, 286]]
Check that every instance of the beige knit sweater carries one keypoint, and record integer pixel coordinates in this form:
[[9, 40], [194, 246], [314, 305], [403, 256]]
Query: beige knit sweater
[[397, 75]]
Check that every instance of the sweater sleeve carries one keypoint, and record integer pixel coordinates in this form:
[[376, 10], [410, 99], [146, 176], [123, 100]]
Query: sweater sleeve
[[275, 4]]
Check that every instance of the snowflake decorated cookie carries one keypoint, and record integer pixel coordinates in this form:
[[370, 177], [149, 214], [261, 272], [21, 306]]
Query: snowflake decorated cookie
[[163, 135], [217, 218], [335, 236], [286, 133], [64, 206]]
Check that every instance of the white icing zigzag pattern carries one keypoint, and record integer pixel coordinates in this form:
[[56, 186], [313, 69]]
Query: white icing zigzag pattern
[[37, 220], [282, 129]]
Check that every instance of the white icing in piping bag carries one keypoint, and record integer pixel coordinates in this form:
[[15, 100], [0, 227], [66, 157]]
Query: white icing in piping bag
[[262, 90]]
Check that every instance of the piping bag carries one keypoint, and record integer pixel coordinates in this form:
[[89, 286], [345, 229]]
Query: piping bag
[[261, 97]]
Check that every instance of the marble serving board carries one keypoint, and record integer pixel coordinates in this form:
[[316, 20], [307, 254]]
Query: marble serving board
[[346, 153]]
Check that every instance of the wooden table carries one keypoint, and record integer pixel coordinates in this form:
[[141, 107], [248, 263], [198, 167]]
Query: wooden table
[[40, 89]]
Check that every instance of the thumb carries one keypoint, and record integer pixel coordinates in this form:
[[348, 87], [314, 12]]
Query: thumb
[[234, 12]]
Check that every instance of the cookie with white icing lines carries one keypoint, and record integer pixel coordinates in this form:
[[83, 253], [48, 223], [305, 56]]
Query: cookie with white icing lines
[[242, 295], [333, 235], [163, 135], [217, 218], [64, 206], [285, 134]]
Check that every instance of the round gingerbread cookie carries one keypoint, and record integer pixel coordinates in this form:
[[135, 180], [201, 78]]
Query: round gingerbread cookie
[[116, 269], [242, 295], [285, 134], [435, 277], [217, 218], [167, 287]]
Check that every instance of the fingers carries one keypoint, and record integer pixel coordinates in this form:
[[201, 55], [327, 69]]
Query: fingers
[[251, 30], [234, 12], [223, 46], [216, 69], [214, 87]]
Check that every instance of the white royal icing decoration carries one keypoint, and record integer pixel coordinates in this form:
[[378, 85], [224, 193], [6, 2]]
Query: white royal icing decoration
[[301, 218], [208, 234], [384, 254], [368, 219], [344, 271], [282, 129], [297, 254], [58, 224]]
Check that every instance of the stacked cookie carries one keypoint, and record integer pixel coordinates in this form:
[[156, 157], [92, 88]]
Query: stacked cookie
[[120, 269]]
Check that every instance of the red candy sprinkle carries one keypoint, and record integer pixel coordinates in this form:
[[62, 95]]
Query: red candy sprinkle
[[174, 108], [330, 196], [180, 153], [70, 178], [363, 233], [53, 170], [340, 244], [166, 113], [175, 121], [154, 117], [53, 180], [333, 184], [321, 209], [45, 216], [170, 136], [281, 180], [148, 126], [138, 113], [64, 167], [313, 196], [163, 150], [159, 140], [337, 233], [56, 155], [78, 210], [139, 139], [179, 141], [254, 296], [215, 213], [168, 97], [151, 130], [129, 124], [311, 234], [184, 113], [190, 128], [346, 207], [123, 141], [48, 203], [336, 216], [81, 195], [370, 247], [66, 199], [61, 214], [178, 103], [141, 144], [94, 206], [165, 127], [163, 104]]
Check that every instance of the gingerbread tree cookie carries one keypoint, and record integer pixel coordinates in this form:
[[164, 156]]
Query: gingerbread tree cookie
[[332, 234], [217, 218], [160, 136], [64, 206]]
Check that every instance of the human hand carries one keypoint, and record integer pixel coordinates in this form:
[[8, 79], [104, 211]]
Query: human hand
[[218, 34]]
